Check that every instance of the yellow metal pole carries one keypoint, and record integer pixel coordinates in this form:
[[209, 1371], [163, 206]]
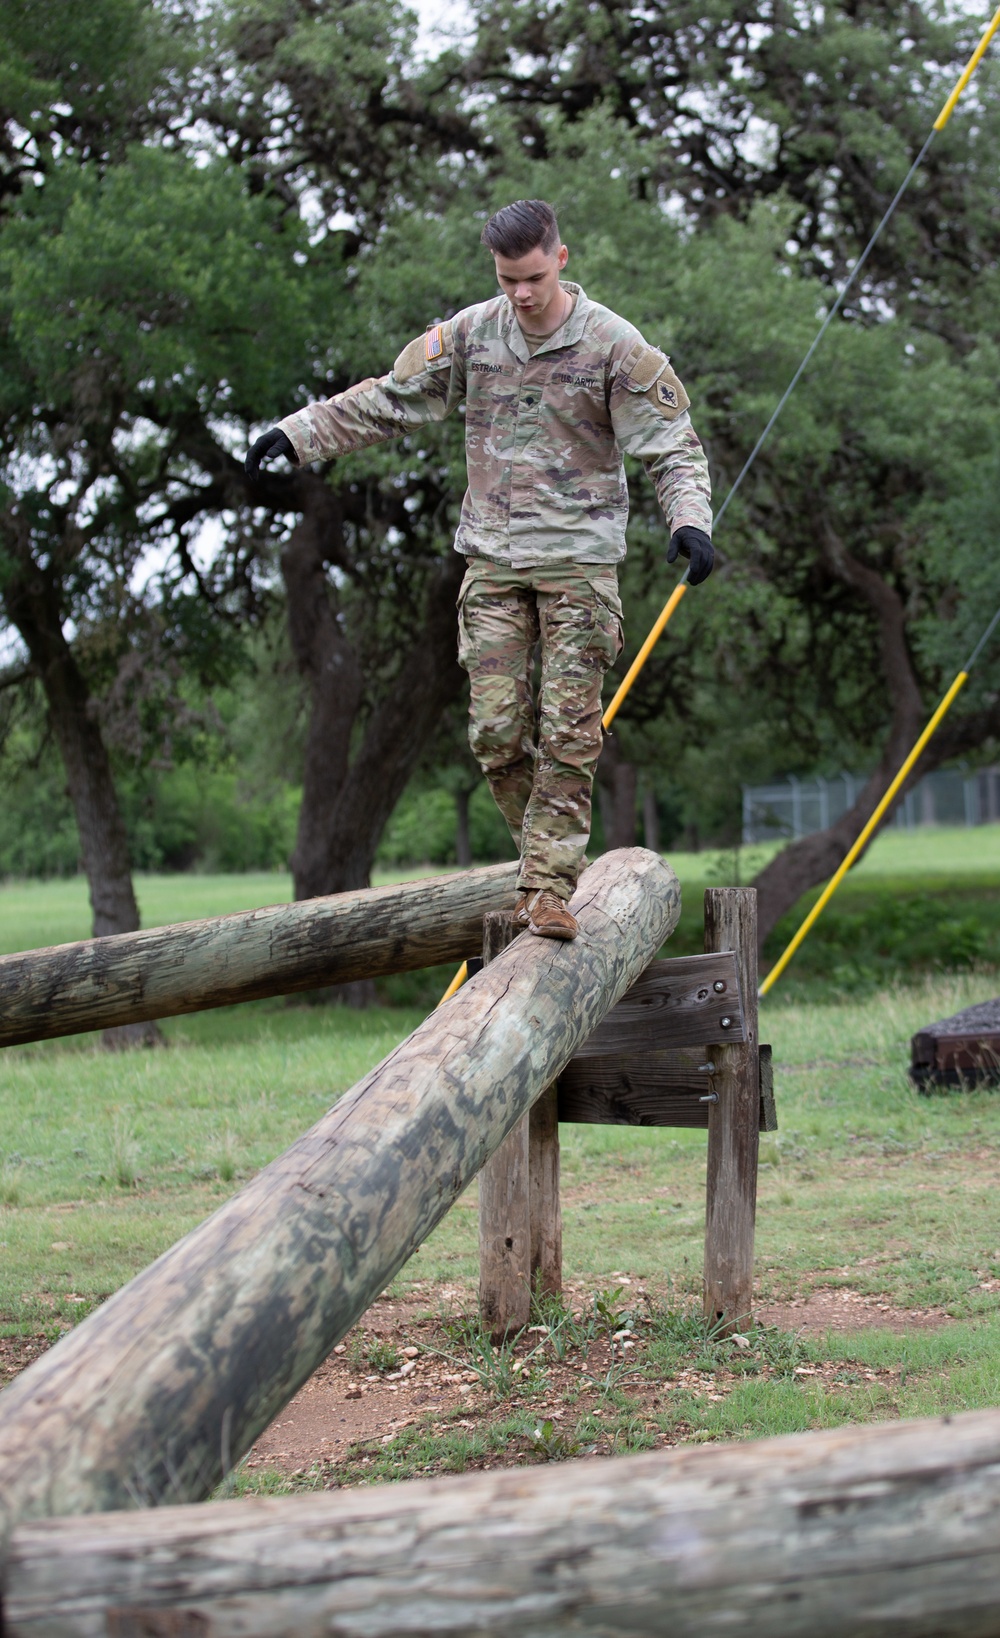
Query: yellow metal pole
[[870, 827], [456, 984], [968, 71], [645, 651]]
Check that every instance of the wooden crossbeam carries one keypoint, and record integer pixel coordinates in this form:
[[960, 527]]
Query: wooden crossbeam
[[650, 1062], [681, 1002], [651, 1089]]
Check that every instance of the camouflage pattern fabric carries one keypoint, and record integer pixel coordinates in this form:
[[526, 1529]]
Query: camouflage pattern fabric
[[544, 433], [539, 752]]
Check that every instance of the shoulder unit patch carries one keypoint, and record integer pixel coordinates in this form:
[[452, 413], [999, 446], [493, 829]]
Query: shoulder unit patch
[[668, 395]]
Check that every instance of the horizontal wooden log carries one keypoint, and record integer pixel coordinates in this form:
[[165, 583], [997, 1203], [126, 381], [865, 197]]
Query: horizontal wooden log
[[157, 1393], [678, 1002], [848, 1533], [651, 1089], [192, 966]]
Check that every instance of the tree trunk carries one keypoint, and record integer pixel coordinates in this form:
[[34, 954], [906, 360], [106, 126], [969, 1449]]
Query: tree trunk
[[650, 820], [346, 802], [330, 669], [33, 606], [621, 781], [813, 859], [463, 844]]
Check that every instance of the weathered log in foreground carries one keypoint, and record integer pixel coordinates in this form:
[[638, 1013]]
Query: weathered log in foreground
[[850, 1533], [195, 965], [154, 1396]]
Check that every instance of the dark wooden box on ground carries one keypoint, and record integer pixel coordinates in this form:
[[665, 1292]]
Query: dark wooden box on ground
[[963, 1050]]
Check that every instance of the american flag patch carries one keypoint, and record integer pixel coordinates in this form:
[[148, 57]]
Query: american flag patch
[[434, 343]]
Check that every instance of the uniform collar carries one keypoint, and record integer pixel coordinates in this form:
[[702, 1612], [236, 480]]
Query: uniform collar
[[565, 336]]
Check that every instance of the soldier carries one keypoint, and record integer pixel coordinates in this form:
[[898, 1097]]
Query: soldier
[[556, 390]]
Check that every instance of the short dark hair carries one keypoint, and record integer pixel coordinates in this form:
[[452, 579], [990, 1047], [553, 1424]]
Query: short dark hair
[[521, 227]]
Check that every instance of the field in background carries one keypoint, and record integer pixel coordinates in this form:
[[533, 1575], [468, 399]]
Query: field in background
[[870, 1195], [920, 901]]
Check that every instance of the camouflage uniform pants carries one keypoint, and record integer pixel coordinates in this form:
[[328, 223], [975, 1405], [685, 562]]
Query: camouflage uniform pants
[[539, 747]]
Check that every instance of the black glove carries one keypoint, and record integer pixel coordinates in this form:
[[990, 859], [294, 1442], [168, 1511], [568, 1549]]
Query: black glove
[[272, 443], [695, 545]]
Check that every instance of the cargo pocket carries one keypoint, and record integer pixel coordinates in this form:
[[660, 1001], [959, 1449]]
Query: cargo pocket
[[607, 640], [466, 646]]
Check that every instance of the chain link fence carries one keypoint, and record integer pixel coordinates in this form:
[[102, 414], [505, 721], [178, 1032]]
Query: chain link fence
[[797, 807]]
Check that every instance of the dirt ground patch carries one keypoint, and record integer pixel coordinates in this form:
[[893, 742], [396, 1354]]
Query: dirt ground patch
[[844, 1310], [393, 1372], [342, 1406], [18, 1352], [344, 1403]]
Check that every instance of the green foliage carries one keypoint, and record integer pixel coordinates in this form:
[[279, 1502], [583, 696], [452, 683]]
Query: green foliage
[[173, 270], [170, 275], [38, 834], [422, 829], [188, 817], [381, 1356], [891, 934]]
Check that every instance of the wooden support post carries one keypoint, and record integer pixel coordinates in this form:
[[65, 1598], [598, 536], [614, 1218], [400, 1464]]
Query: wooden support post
[[520, 1218], [543, 1183], [194, 965], [733, 1123], [844, 1533], [504, 1198], [163, 1388]]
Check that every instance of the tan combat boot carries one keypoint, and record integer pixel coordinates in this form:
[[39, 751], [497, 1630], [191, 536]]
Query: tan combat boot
[[544, 913]]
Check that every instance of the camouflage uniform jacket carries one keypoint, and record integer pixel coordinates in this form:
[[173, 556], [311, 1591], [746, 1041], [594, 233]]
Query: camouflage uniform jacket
[[544, 434]]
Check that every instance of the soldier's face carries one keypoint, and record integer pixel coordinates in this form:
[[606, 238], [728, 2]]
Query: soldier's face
[[531, 283]]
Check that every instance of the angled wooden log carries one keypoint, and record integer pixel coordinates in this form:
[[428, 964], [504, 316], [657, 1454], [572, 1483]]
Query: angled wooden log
[[156, 1394], [847, 1533], [196, 965]]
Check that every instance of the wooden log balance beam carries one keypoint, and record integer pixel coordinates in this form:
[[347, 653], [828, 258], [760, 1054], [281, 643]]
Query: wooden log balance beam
[[195, 965], [847, 1533], [156, 1395]]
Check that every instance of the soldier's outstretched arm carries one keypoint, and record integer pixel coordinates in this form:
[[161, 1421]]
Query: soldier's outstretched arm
[[649, 412], [424, 385]]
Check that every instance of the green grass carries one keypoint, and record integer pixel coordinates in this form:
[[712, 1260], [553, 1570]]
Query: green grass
[[34, 914], [678, 1383], [937, 860], [112, 1158], [920, 901], [106, 1160]]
